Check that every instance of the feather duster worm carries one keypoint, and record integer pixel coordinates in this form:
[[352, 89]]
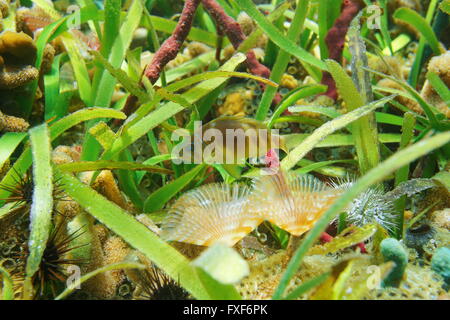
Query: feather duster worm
[[211, 213], [292, 202], [227, 213]]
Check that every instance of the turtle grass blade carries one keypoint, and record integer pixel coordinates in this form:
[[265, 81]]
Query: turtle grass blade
[[364, 129], [55, 130], [328, 128], [134, 233], [42, 205], [7, 290]]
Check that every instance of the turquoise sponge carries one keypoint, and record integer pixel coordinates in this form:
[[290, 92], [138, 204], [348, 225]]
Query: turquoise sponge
[[440, 263], [392, 250]]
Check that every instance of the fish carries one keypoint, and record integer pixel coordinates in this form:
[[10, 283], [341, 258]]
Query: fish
[[235, 130], [240, 138]]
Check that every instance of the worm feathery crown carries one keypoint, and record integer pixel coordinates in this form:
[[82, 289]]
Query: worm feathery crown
[[291, 201], [212, 213]]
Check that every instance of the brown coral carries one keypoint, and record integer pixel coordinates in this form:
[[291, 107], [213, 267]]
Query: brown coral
[[387, 65], [441, 66], [14, 77], [17, 48], [17, 58], [65, 154], [115, 250], [47, 59], [106, 185], [407, 102], [4, 10], [103, 285], [410, 4], [442, 218], [12, 124]]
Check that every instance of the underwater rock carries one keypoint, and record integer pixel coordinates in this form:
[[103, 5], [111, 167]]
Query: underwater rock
[[65, 154], [392, 250], [190, 251], [264, 275], [178, 60], [103, 285], [67, 207], [319, 101], [324, 101], [437, 198], [417, 237], [420, 282], [60, 157], [440, 239], [440, 263], [4, 8]]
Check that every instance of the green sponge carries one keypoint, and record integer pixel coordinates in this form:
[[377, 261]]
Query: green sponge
[[392, 250], [440, 263]]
